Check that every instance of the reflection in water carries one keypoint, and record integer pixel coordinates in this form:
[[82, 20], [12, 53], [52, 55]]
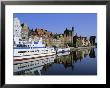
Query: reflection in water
[[92, 53], [32, 67], [70, 63]]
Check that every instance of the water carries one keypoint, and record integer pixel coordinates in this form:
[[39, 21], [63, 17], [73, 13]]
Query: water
[[79, 62]]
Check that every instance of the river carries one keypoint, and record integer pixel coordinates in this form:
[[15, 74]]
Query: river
[[79, 62]]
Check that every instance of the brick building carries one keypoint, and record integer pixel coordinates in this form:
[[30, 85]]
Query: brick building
[[24, 32], [68, 35]]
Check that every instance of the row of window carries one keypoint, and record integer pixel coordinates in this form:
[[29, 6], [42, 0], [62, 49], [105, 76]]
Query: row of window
[[20, 45], [27, 65], [16, 25], [28, 51], [23, 71]]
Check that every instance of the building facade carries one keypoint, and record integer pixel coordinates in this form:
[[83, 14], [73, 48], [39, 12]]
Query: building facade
[[68, 35], [79, 41], [92, 40], [17, 31], [58, 40], [46, 35], [24, 32]]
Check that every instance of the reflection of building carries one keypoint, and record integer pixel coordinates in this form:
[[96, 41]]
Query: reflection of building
[[92, 53], [66, 60], [69, 60]]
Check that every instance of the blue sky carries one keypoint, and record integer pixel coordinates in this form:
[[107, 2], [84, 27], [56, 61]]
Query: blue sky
[[85, 24]]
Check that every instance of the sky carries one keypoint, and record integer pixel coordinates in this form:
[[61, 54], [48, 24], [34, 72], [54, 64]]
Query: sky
[[85, 24]]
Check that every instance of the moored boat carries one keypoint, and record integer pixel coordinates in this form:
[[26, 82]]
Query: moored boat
[[63, 50], [32, 50]]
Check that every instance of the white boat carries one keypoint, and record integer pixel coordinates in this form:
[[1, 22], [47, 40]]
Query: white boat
[[63, 50], [63, 54], [32, 50]]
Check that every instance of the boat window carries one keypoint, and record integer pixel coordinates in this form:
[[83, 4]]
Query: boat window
[[31, 51], [21, 51]]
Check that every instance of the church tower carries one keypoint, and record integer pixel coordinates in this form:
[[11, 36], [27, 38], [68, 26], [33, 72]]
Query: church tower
[[72, 35]]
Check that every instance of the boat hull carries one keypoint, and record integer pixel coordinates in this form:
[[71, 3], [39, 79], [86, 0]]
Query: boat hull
[[33, 53]]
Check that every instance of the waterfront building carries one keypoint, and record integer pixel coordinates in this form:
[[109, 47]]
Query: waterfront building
[[17, 31], [31, 32], [85, 41], [80, 41], [68, 35], [75, 40], [92, 40], [46, 35], [58, 40], [43, 33], [24, 32]]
